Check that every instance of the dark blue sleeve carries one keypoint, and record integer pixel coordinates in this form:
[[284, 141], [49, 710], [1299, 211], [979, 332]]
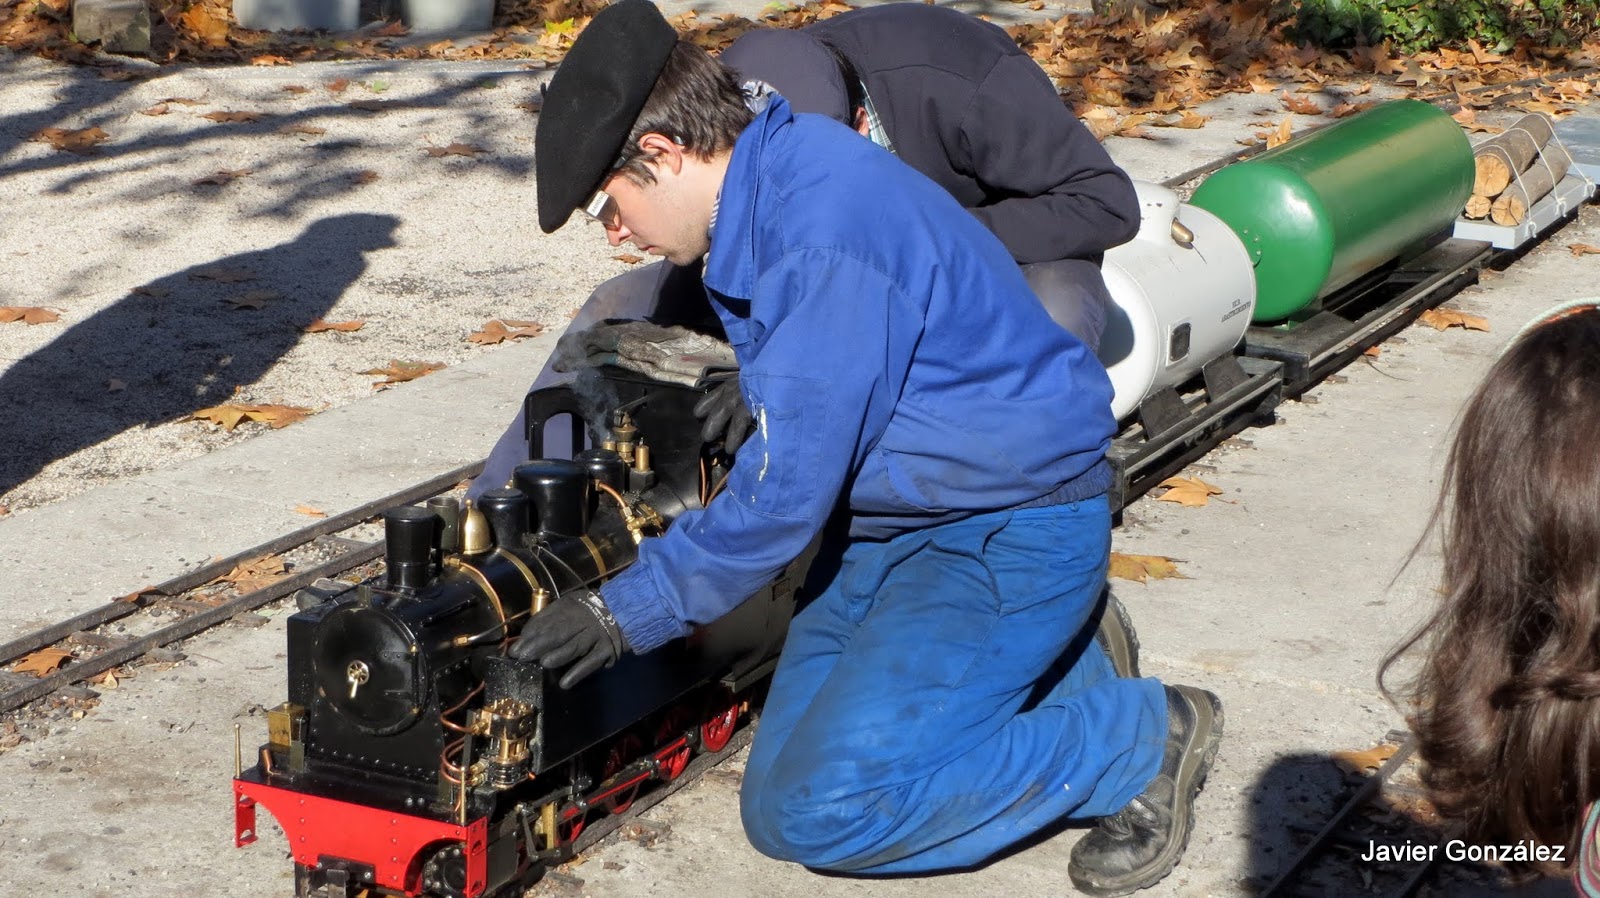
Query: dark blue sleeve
[[837, 346]]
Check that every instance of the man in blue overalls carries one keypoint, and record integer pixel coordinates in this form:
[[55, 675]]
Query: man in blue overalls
[[902, 380]]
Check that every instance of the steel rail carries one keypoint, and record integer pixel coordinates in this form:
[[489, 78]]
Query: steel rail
[[210, 571]]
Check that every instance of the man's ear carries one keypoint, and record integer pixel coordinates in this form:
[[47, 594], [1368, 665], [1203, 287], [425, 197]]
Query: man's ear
[[861, 125], [663, 150]]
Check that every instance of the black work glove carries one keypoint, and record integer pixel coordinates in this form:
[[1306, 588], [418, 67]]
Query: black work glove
[[725, 416], [575, 629]]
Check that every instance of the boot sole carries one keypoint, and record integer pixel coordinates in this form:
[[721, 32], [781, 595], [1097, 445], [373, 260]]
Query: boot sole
[[1117, 637], [1192, 773]]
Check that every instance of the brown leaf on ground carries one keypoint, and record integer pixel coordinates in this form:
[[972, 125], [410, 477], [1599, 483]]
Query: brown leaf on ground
[[1439, 319], [365, 176], [311, 130], [255, 299], [629, 258], [184, 101], [1281, 136], [42, 663], [255, 573], [1372, 352], [398, 372], [1361, 761], [81, 141], [223, 275], [220, 116], [455, 149], [1143, 567], [318, 326], [1301, 105], [152, 292], [234, 414], [392, 29], [206, 25], [125, 75], [269, 59], [1348, 109], [221, 176], [107, 680], [137, 594], [338, 86], [1189, 491], [158, 109], [497, 331], [27, 315], [4, 510], [1583, 249], [308, 511], [295, 89]]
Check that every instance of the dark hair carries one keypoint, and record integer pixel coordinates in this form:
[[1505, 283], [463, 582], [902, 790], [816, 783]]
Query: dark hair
[[855, 94], [1507, 700], [696, 101]]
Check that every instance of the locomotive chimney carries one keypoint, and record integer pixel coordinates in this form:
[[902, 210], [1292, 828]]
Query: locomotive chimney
[[408, 536]]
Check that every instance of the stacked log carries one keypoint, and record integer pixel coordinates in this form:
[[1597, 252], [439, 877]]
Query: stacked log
[[1514, 170]]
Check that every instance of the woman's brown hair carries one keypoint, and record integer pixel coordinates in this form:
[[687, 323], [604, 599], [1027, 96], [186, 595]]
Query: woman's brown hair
[[1506, 704]]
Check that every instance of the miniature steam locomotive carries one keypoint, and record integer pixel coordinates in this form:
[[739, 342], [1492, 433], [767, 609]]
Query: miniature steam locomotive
[[413, 756]]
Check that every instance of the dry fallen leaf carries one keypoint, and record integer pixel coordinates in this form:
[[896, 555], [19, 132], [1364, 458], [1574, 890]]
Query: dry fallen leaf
[[1143, 567], [312, 130], [255, 573], [137, 594], [221, 176], [309, 511], [629, 258], [1344, 110], [255, 299], [1281, 136], [268, 59], [455, 149], [1301, 105], [1372, 351], [1189, 491], [294, 89], [223, 274], [1439, 319], [1583, 249], [233, 116], [27, 314], [1360, 761], [365, 176], [158, 109], [206, 25], [234, 414], [318, 326], [392, 29], [81, 141], [43, 662], [337, 86], [107, 680], [184, 101], [399, 372], [499, 330]]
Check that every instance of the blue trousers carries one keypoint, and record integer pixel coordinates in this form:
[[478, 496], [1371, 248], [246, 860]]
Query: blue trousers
[[913, 723]]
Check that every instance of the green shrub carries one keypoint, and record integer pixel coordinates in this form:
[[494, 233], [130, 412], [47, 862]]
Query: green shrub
[[1415, 25]]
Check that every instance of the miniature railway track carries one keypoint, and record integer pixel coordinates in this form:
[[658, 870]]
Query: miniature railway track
[[1340, 843], [194, 617]]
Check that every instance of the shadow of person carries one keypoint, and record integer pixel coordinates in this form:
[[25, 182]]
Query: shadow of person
[[177, 344]]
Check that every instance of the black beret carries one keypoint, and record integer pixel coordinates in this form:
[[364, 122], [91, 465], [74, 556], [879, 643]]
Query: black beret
[[592, 103], [797, 65]]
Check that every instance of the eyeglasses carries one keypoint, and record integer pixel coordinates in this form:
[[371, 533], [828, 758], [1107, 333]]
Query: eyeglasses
[[602, 208]]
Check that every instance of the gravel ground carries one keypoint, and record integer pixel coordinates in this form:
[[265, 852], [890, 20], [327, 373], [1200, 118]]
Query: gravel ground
[[343, 215]]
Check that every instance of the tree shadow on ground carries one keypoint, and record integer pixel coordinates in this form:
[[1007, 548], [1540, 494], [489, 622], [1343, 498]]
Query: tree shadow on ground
[[174, 345]]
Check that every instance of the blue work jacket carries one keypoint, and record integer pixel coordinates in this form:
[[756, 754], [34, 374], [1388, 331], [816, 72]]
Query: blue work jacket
[[891, 354]]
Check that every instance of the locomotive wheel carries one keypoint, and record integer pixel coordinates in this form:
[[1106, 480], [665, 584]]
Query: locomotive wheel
[[624, 751], [672, 728], [715, 732], [572, 829], [445, 873]]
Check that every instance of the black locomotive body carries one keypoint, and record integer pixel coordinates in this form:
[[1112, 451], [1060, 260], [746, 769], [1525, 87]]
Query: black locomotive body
[[413, 757]]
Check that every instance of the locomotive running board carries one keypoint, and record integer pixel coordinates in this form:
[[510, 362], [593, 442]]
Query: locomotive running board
[[1173, 428], [1358, 318]]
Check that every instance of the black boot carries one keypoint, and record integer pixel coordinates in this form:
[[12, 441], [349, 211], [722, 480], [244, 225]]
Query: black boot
[[1140, 844], [1117, 637]]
